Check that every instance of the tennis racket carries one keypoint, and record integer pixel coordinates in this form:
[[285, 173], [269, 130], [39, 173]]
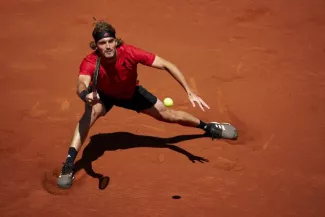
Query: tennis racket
[[94, 86]]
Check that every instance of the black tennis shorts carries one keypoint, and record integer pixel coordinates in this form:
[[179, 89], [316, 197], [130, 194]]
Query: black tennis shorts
[[141, 99]]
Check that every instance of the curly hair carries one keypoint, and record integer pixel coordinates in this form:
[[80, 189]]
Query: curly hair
[[101, 26]]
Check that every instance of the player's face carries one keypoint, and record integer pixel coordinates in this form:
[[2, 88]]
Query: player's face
[[107, 47]]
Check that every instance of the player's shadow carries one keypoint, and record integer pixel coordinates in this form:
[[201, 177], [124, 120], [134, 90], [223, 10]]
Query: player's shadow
[[100, 143]]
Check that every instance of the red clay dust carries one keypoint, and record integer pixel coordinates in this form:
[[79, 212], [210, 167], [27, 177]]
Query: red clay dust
[[259, 65]]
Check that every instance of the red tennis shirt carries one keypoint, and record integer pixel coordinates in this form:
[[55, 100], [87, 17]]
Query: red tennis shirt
[[118, 79]]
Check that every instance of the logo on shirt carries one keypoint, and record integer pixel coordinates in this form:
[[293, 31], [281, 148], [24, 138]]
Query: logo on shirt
[[117, 79]]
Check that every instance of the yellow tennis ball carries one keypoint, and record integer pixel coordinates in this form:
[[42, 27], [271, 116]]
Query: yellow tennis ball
[[168, 102]]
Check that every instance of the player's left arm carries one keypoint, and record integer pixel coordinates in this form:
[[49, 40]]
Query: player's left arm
[[175, 72], [160, 63], [155, 61]]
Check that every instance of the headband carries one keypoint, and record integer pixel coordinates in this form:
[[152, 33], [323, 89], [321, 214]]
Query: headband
[[101, 35]]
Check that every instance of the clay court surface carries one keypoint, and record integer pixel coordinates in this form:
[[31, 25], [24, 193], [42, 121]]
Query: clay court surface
[[258, 64]]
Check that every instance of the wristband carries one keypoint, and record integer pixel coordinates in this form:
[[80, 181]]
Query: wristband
[[83, 95]]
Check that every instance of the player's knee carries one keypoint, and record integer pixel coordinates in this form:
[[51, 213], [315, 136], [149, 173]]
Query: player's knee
[[170, 116], [95, 111], [98, 110]]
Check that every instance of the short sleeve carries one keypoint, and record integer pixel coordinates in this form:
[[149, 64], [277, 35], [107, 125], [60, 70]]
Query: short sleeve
[[86, 68], [141, 56]]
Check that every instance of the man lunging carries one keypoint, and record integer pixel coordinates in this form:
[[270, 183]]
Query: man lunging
[[118, 85]]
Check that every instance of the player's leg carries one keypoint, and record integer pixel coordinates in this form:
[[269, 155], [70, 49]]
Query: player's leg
[[145, 102], [160, 112], [214, 129], [88, 119], [91, 114]]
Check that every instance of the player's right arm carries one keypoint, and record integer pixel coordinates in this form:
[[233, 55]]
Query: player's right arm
[[82, 90], [86, 72], [83, 83]]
